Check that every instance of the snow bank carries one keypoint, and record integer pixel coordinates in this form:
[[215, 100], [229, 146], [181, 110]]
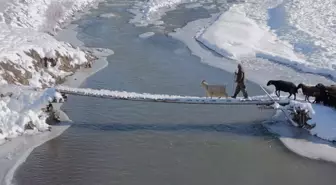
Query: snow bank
[[28, 55], [24, 49], [242, 32], [258, 70], [23, 108], [324, 117], [236, 36], [314, 21], [43, 15]]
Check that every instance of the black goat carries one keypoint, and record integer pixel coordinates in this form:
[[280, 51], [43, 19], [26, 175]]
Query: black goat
[[309, 91], [327, 95], [284, 86]]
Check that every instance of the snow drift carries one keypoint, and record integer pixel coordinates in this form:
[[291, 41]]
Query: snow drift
[[241, 34], [28, 54], [236, 36], [23, 107], [314, 22]]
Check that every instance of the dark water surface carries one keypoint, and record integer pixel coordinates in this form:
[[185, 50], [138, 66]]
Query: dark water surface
[[120, 142]]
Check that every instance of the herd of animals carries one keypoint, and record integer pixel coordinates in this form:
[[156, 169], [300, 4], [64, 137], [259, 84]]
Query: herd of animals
[[322, 93]]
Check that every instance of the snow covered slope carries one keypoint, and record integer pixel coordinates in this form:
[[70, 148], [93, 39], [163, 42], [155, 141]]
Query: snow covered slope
[[42, 15], [28, 54], [236, 36], [297, 34], [22, 107], [31, 56]]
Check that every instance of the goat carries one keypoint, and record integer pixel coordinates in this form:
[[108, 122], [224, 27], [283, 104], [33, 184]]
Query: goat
[[327, 95], [214, 90], [322, 98], [309, 91], [284, 86]]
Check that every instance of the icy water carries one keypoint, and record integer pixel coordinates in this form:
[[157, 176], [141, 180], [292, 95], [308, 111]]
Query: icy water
[[120, 142]]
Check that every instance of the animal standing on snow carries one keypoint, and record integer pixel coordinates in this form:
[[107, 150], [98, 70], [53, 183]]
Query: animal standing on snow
[[214, 90], [309, 91], [284, 86]]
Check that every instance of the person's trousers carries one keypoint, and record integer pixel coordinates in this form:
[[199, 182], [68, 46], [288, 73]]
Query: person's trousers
[[240, 87]]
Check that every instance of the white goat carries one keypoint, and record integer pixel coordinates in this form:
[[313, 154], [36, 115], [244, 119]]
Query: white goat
[[214, 90]]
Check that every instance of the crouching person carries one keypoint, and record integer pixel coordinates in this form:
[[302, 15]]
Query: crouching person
[[240, 80]]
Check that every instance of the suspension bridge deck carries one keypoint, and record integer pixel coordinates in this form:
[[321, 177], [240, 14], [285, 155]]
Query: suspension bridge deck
[[146, 97]]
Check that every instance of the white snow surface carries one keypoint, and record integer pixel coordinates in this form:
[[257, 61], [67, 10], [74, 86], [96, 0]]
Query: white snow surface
[[23, 26], [42, 14], [303, 38], [22, 107], [325, 120], [15, 42], [257, 70], [236, 36], [314, 23]]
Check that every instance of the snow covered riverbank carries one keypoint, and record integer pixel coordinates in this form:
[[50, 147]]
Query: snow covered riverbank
[[28, 54]]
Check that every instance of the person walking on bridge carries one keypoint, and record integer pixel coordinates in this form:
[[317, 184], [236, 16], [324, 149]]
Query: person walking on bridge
[[240, 80]]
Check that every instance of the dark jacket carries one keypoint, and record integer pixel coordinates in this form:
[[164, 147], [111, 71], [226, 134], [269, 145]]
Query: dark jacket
[[240, 76]]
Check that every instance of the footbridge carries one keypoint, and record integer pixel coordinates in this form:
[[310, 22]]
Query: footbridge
[[164, 98]]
